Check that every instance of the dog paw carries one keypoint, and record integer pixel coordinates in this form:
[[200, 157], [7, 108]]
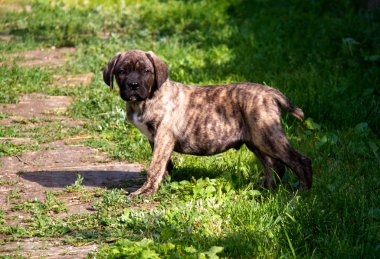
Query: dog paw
[[133, 194], [260, 185], [142, 191], [265, 185], [303, 187], [137, 192]]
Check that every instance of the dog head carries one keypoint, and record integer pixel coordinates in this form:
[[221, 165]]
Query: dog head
[[139, 74]]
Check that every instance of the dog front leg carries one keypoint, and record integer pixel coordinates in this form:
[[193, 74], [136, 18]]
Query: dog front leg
[[163, 148], [170, 165]]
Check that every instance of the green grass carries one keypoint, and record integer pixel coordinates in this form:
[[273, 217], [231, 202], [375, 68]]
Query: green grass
[[323, 55]]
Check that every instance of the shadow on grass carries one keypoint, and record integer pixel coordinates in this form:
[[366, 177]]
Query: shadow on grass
[[236, 179], [191, 173], [91, 178]]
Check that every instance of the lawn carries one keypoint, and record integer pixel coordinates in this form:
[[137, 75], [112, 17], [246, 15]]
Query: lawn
[[324, 55]]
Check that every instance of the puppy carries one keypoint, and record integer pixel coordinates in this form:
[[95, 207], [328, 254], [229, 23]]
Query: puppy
[[204, 120]]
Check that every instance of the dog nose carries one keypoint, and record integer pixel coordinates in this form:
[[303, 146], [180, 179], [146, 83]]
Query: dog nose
[[134, 85]]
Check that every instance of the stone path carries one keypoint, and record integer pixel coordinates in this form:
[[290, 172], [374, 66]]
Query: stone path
[[15, 7], [58, 166], [43, 57], [34, 248], [37, 105], [54, 165]]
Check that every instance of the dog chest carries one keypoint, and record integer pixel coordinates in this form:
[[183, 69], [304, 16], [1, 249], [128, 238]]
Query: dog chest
[[136, 120]]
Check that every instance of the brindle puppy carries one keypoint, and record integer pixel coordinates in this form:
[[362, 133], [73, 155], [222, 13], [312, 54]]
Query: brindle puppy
[[204, 120]]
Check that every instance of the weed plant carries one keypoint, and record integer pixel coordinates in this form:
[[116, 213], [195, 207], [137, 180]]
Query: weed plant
[[324, 55]]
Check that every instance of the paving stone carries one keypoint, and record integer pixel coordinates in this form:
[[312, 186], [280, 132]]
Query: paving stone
[[44, 57], [37, 105]]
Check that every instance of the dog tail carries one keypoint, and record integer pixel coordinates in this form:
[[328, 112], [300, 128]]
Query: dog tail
[[284, 103]]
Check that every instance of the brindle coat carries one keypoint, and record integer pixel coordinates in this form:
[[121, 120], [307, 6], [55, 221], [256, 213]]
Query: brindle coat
[[204, 120]]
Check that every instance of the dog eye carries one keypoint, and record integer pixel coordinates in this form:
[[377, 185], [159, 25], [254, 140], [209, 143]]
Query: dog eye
[[147, 71]]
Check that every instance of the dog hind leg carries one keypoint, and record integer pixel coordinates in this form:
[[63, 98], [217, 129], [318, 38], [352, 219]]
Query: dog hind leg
[[274, 169], [272, 143]]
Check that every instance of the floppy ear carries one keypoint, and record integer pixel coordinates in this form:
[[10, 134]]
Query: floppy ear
[[160, 69], [109, 71]]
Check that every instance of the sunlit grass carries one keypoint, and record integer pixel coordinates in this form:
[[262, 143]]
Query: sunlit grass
[[323, 55]]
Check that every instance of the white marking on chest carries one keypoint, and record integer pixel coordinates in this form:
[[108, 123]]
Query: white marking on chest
[[141, 126]]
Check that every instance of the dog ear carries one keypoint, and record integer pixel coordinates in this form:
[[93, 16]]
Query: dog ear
[[160, 69], [109, 71]]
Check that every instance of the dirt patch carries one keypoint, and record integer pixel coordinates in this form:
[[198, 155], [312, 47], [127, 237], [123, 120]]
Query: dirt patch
[[44, 57], [18, 141], [15, 7], [36, 105], [33, 248], [5, 37], [73, 80], [54, 169]]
